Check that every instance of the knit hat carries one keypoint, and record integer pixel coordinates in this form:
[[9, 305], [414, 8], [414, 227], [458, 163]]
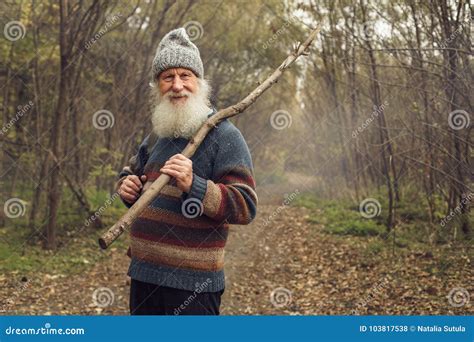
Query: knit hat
[[176, 50]]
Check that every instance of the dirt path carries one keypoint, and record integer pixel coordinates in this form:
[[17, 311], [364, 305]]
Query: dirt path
[[306, 270]]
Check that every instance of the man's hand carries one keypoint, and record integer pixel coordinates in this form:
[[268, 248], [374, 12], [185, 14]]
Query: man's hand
[[131, 188], [181, 168]]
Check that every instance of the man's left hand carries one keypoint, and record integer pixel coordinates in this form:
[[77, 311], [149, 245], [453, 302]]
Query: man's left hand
[[181, 168]]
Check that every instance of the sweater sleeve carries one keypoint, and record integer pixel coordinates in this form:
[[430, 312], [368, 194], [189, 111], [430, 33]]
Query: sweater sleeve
[[230, 195], [135, 166]]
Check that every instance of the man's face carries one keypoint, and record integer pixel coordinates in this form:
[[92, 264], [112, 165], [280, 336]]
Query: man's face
[[180, 103], [177, 84]]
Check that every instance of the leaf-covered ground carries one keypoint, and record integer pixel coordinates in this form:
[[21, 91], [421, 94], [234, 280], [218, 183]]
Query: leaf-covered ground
[[279, 264]]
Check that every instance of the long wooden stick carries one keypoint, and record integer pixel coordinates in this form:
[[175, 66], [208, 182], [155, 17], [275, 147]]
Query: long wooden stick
[[147, 197]]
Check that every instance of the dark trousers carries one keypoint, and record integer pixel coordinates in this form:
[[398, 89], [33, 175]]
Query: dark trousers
[[151, 299]]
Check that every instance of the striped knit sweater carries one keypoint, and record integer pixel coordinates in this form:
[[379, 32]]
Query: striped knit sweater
[[178, 241]]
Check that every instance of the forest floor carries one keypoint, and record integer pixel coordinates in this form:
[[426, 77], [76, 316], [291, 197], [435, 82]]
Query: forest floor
[[280, 264]]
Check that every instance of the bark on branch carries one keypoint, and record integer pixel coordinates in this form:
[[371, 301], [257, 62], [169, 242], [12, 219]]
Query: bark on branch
[[126, 221]]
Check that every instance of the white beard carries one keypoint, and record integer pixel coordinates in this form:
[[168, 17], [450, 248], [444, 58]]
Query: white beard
[[181, 119]]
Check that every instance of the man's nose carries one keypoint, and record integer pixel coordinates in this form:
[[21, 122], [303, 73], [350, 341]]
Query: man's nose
[[177, 85]]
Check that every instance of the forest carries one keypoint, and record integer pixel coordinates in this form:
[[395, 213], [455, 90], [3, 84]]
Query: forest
[[362, 151]]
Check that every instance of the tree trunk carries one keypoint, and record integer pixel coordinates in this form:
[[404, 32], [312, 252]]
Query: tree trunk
[[54, 188]]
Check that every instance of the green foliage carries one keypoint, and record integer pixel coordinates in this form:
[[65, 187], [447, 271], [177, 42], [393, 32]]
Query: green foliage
[[347, 222], [347, 225], [102, 160], [77, 251], [314, 201], [374, 247], [413, 229], [338, 217], [21, 251], [308, 201], [110, 205]]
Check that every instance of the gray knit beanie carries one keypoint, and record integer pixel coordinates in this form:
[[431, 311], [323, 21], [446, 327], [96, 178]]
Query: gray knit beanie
[[176, 50]]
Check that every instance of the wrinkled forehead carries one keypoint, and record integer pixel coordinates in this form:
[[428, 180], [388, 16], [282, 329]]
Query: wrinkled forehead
[[176, 71]]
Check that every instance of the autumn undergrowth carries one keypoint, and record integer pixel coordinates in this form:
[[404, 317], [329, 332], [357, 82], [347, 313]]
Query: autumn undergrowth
[[22, 252], [412, 227], [443, 249], [338, 217]]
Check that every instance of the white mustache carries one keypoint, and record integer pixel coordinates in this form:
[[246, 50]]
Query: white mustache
[[171, 94]]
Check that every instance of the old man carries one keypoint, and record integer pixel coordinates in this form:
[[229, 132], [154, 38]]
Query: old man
[[177, 243]]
